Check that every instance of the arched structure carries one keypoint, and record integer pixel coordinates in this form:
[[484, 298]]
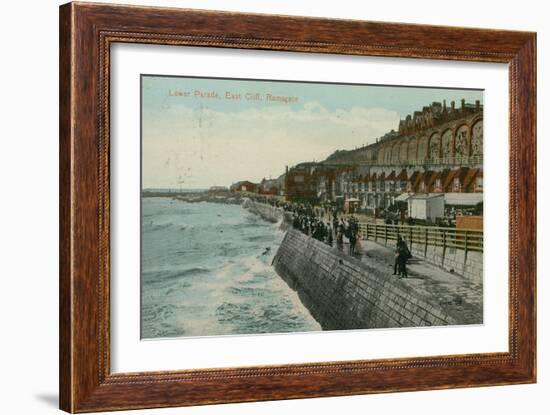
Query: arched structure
[[461, 143], [403, 151], [380, 155], [476, 145], [395, 154], [447, 145], [434, 151], [387, 154], [411, 151], [422, 149]]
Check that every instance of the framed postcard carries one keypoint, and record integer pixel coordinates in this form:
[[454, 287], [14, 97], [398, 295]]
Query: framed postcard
[[260, 207]]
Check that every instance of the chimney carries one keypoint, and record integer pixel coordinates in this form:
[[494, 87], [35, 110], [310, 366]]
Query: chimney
[[445, 105], [287, 169], [462, 104], [452, 106], [477, 105]]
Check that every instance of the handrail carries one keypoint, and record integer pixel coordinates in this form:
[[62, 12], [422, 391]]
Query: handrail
[[467, 239]]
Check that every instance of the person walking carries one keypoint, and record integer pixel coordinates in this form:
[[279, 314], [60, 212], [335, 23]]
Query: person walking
[[402, 255], [340, 236], [352, 241], [329, 234]]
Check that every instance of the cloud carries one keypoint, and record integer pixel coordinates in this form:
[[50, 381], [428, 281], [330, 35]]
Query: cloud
[[207, 147]]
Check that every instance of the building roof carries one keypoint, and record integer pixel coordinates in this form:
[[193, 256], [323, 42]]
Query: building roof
[[472, 174], [402, 175], [449, 178], [391, 176], [243, 182], [463, 173], [463, 199], [402, 197], [425, 196], [429, 178], [414, 176], [442, 175], [416, 181]]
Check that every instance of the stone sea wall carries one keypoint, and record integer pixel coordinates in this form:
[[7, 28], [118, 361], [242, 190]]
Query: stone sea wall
[[269, 213], [342, 292]]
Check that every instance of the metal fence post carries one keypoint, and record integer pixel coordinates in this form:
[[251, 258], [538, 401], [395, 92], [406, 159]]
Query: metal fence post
[[444, 248], [425, 242]]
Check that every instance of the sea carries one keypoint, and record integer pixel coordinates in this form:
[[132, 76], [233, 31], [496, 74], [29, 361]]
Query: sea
[[206, 271]]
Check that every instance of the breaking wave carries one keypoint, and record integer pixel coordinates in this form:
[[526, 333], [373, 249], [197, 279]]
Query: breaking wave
[[206, 271]]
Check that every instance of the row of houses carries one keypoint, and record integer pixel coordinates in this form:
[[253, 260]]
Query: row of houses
[[378, 188], [374, 189], [461, 180], [265, 186], [436, 151], [437, 135]]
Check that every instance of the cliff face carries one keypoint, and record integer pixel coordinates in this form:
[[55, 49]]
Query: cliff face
[[344, 293]]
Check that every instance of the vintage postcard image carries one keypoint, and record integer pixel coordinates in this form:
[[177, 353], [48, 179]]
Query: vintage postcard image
[[285, 206]]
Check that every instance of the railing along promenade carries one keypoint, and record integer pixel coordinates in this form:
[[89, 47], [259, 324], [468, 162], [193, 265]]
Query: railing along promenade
[[439, 161], [465, 239]]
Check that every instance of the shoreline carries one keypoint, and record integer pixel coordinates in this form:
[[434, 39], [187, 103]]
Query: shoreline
[[198, 197]]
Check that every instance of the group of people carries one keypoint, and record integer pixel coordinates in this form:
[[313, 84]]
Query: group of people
[[333, 230], [323, 224]]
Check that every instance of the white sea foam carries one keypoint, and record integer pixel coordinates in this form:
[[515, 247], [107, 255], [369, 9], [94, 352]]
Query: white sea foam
[[206, 270]]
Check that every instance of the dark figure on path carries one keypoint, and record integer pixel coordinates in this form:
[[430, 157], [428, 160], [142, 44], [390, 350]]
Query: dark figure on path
[[319, 231], [329, 234], [402, 266], [340, 236], [402, 254], [352, 242]]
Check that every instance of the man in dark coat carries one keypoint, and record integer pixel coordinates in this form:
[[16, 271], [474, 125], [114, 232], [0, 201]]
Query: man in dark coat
[[402, 254]]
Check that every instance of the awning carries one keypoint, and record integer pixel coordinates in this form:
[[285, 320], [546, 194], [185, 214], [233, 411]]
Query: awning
[[425, 196], [403, 197], [463, 199]]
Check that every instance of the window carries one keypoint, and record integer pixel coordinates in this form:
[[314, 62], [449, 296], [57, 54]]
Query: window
[[479, 184], [456, 184]]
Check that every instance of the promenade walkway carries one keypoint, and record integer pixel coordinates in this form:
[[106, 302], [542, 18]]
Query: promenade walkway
[[456, 294]]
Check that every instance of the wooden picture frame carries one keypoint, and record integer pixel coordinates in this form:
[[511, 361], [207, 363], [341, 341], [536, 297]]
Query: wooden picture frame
[[86, 33]]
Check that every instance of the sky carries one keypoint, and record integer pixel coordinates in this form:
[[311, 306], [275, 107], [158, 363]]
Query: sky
[[202, 132]]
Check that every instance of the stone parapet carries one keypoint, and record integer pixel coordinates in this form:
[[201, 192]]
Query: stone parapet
[[342, 292]]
